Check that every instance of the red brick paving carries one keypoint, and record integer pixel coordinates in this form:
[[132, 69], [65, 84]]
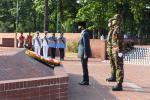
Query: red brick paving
[[99, 89]]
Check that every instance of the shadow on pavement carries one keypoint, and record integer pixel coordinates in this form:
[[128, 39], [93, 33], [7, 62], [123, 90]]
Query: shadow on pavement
[[95, 91]]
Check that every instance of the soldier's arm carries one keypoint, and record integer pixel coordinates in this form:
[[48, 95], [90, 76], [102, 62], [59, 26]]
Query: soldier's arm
[[115, 41], [118, 38]]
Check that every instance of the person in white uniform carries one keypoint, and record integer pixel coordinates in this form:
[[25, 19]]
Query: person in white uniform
[[37, 43], [45, 45]]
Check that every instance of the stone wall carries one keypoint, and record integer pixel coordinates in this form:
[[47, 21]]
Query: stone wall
[[98, 48], [7, 39]]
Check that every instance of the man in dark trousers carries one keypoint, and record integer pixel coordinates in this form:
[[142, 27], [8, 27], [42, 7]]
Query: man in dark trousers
[[84, 52]]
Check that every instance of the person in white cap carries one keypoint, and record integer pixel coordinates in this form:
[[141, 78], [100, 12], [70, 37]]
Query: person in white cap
[[45, 45], [37, 43]]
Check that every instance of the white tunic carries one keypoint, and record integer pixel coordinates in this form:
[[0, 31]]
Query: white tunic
[[36, 43], [45, 42]]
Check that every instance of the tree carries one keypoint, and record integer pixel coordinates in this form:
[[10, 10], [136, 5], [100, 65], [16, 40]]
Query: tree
[[43, 15], [46, 21]]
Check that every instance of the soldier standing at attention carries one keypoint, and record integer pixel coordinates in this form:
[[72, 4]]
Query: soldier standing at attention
[[45, 45], [29, 41], [53, 45], [61, 44], [21, 41], [112, 78], [117, 52], [37, 43]]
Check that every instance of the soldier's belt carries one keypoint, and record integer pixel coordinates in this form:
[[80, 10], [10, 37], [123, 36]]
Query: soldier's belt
[[115, 46]]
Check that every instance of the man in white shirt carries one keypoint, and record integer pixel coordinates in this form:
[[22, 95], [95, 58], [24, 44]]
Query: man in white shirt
[[45, 45], [37, 43]]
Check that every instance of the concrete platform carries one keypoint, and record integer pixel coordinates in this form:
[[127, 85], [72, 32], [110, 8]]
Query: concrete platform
[[23, 78], [15, 64]]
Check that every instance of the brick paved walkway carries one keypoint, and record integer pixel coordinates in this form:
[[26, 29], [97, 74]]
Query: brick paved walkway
[[136, 85]]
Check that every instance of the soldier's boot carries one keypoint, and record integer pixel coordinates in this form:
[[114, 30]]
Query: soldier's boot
[[111, 79], [118, 87]]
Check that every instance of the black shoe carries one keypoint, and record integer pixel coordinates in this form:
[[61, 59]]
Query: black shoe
[[111, 79], [118, 87], [84, 83]]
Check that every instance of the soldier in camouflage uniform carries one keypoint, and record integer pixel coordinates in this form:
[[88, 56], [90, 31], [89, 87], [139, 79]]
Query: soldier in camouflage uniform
[[109, 52], [117, 53]]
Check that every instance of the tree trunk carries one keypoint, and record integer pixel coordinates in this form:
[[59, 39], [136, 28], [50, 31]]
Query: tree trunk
[[35, 20], [61, 15], [46, 23]]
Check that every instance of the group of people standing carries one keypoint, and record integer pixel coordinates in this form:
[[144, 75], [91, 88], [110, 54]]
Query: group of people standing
[[25, 42], [46, 43], [114, 50]]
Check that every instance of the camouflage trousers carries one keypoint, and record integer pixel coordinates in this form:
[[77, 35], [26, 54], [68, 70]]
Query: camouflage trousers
[[116, 63], [112, 64]]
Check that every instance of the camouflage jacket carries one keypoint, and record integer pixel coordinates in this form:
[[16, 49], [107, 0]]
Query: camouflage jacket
[[117, 40], [109, 40]]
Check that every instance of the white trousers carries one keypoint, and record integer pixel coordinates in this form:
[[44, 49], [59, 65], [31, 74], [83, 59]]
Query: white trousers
[[45, 51], [37, 49]]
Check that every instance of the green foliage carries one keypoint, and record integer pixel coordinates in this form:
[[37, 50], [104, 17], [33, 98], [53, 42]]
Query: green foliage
[[68, 24], [6, 27], [39, 6], [72, 47], [95, 12]]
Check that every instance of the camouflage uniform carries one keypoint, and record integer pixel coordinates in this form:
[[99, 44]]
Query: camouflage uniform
[[109, 52], [117, 54]]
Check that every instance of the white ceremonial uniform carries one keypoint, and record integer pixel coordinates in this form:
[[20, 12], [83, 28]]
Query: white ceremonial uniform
[[37, 45], [45, 47]]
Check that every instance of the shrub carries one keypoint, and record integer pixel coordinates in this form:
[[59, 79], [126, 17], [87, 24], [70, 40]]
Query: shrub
[[72, 47]]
